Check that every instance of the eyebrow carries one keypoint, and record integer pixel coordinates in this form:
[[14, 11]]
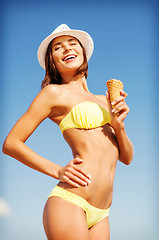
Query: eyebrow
[[69, 40]]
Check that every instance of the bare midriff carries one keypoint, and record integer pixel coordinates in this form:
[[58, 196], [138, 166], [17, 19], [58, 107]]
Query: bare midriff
[[99, 150]]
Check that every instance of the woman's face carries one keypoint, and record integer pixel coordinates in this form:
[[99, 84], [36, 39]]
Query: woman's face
[[67, 54]]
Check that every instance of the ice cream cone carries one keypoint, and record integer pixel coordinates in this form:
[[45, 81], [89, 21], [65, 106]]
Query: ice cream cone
[[114, 86]]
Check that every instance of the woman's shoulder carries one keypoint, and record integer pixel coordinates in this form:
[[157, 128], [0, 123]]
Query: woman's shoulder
[[103, 100], [101, 97], [50, 94], [52, 89]]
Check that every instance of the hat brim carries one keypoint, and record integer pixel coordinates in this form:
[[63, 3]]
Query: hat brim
[[84, 38]]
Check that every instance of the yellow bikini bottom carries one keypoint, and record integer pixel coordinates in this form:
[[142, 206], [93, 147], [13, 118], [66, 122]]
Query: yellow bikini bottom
[[93, 214]]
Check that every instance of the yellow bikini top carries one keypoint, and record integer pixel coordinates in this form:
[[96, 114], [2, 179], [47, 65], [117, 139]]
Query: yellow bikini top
[[86, 115]]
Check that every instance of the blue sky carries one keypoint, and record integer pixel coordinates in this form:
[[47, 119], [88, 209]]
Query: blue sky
[[125, 39]]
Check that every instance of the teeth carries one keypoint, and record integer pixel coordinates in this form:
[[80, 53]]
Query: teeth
[[69, 57]]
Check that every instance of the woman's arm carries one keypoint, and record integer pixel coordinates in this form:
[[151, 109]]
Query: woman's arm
[[125, 146], [14, 145], [121, 110]]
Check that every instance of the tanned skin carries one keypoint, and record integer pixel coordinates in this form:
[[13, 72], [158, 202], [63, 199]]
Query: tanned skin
[[90, 173]]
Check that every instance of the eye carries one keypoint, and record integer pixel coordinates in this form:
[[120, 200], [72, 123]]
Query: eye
[[57, 48], [72, 43]]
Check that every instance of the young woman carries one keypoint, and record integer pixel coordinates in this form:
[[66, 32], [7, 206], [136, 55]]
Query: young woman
[[78, 207]]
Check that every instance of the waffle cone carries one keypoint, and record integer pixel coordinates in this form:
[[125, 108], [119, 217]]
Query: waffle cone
[[114, 86]]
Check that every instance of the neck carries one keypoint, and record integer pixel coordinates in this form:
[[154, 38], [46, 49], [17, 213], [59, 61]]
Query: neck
[[76, 81]]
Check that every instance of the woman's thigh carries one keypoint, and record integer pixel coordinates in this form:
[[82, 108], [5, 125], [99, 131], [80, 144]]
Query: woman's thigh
[[64, 220], [100, 230]]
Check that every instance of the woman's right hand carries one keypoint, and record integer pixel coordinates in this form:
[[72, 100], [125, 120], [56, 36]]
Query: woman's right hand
[[73, 174]]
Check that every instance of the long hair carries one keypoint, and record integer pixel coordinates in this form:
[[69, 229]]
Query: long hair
[[52, 75]]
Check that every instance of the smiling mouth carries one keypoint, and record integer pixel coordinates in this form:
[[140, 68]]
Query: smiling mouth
[[69, 58]]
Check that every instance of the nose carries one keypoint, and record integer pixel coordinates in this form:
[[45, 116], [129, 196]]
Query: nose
[[66, 48]]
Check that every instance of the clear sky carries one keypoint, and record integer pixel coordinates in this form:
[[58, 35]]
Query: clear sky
[[125, 39]]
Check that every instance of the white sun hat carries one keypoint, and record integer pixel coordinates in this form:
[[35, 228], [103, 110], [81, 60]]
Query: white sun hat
[[84, 38]]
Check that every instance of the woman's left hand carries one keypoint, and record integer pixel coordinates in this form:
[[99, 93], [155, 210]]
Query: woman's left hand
[[118, 110]]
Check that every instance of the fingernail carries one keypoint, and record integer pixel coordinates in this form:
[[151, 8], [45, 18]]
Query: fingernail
[[89, 176], [113, 103], [113, 110]]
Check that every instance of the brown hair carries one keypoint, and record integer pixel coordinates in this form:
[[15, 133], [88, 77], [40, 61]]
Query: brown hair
[[52, 76]]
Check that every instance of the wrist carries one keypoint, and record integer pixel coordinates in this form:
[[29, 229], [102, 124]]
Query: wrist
[[57, 172], [118, 126], [54, 171]]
